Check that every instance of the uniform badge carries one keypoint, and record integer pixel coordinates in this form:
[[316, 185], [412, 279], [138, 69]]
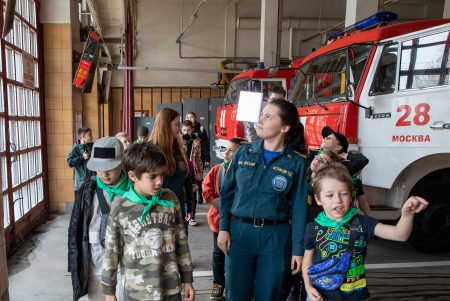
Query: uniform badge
[[279, 183]]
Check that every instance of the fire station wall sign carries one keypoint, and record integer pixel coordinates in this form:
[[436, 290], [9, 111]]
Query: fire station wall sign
[[87, 59]]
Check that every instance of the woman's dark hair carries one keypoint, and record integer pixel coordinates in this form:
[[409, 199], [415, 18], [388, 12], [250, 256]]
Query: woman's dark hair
[[295, 137], [142, 158]]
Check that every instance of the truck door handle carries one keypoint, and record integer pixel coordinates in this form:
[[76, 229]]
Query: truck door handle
[[440, 125]]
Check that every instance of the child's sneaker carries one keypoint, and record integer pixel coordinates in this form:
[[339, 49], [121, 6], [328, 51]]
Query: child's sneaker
[[192, 222], [216, 292]]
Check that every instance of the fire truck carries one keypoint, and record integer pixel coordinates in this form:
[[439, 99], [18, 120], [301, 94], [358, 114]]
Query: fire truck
[[257, 80], [387, 89]]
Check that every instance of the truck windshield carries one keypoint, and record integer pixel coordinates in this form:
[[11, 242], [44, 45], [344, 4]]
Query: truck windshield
[[238, 85], [323, 79]]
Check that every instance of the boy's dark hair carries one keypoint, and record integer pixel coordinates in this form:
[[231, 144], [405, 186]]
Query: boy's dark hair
[[82, 131], [142, 158], [187, 123], [238, 141], [278, 89], [335, 171], [142, 131]]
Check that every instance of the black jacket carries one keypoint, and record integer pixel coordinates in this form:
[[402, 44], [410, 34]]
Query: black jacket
[[79, 255]]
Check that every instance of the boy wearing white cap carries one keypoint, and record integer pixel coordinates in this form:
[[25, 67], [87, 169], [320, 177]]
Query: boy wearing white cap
[[89, 218]]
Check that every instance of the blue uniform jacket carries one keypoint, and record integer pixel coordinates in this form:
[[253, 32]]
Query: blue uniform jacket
[[276, 191]]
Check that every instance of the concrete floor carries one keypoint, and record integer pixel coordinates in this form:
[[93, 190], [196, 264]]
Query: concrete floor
[[38, 271]]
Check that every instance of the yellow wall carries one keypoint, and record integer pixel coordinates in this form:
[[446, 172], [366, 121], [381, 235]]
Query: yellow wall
[[59, 112]]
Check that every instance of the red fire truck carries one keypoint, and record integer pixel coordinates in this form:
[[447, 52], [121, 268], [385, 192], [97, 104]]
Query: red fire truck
[[387, 89], [260, 80]]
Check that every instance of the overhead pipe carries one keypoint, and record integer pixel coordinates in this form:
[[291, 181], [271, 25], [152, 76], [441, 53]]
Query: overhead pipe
[[287, 23], [194, 17], [128, 94]]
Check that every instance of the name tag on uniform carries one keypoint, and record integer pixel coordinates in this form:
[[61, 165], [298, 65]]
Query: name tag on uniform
[[283, 171], [247, 164]]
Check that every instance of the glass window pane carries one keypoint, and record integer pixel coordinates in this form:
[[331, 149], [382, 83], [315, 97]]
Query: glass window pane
[[6, 220], [25, 10], [40, 190], [39, 162], [17, 32], [19, 67], [33, 193], [4, 174], [2, 135], [424, 62], [18, 204], [10, 70], [18, 6], [26, 38], [38, 134], [32, 9], [37, 104], [12, 104], [36, 75], [384, 80], [20, 102], [2, 104], [26, 199]]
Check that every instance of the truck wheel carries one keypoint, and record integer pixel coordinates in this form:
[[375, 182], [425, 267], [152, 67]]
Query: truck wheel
[[431, 232]]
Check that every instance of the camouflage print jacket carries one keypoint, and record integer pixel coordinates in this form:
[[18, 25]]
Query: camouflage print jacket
[[154, 256]]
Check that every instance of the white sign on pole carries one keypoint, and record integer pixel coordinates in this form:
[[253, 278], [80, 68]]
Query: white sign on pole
[[249, 106]]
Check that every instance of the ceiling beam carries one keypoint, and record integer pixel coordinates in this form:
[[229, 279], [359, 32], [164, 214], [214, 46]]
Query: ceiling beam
[[97, 24]]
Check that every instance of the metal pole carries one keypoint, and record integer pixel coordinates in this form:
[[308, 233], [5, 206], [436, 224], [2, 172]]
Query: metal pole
[[127, 105]]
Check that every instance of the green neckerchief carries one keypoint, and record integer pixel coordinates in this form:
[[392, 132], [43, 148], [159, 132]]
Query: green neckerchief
[[120, 188], [137, 198], [226, 164], [138, 141], [325, 221]]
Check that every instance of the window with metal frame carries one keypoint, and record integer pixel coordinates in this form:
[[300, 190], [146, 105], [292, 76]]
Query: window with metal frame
[[21, 149], [323, 79], [384, 80], [425, 62]]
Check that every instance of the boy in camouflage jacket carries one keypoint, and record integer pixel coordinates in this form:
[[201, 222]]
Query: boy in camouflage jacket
[[146, 235]]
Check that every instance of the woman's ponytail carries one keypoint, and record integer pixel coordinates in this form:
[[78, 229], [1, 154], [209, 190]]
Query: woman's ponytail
[[295, 137]]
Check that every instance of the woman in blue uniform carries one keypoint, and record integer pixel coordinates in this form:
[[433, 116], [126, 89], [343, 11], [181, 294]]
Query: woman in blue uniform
[[263, 209]]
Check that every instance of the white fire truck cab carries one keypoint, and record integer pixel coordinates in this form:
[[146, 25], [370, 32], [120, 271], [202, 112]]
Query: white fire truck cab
[[387, 89]]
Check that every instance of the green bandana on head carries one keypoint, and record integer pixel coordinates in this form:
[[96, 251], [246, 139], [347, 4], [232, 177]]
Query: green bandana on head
[[137, 198], [120, 188], [325, 221]]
